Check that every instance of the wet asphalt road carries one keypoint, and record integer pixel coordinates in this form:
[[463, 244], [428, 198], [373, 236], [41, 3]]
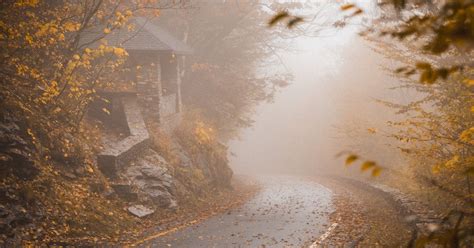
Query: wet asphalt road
[[288, 212]]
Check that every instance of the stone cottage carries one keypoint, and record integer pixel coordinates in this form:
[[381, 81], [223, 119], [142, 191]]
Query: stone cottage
[[150, 86], [153, 68]]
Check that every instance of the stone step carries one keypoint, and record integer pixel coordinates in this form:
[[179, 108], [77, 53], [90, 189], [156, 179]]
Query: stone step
[[118, 154]]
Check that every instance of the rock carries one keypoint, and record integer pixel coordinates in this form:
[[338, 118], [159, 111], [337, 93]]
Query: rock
[[173, 204], [107, 164], [202, 162], [151, 177], [223, 173], [97, 187], [411, 218], [15, 149], [140, 210], [161, 198], [183, 156], [216, 168], [80, 170], [125, 192]]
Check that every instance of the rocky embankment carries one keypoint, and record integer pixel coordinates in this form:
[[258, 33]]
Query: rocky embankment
[[141, 178]]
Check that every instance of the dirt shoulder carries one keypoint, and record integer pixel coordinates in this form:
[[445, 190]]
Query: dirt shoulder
[[365, 216]]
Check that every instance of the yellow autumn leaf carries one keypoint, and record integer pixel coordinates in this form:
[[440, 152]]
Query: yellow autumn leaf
[[367, 165], [347, 6], [89, 168], [57, 110], [351, 158], [70, 26], [372, 130], [106, 30], [469, 82], [120, 52], [29, 39], [106, 111], [376, 171]]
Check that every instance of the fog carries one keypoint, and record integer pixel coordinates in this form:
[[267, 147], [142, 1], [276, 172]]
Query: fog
[[237, 123], [337, 79]]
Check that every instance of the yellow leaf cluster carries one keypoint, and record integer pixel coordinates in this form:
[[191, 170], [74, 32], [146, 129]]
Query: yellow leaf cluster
[[26, 3], [468, 136], [372, 130], [452, 162], [376, 170], [71, 26], [120, 52], [204, 134]]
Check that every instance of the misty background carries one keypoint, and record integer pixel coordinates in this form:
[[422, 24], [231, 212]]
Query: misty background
[[337, 79]]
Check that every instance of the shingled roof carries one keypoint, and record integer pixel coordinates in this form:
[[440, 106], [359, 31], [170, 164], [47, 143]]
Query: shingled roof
[[145, 36]]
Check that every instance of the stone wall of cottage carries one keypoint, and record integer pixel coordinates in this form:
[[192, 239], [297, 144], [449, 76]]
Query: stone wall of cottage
[[148, 87]]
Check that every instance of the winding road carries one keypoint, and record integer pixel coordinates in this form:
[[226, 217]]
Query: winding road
[[288, 212]]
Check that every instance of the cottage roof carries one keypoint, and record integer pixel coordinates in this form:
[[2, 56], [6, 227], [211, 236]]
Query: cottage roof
[[146, 35]]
